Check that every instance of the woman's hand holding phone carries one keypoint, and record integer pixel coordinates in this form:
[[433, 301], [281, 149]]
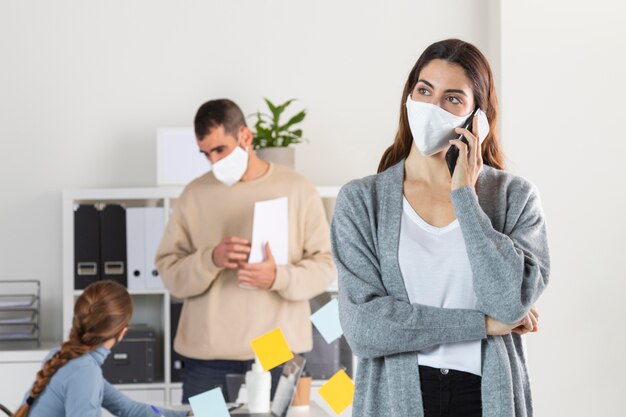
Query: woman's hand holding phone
[[470, 160]]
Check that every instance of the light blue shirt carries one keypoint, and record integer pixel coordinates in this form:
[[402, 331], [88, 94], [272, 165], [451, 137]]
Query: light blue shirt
[[78, 389]]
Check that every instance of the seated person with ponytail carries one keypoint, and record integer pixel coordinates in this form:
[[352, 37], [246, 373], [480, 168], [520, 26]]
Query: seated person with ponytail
[[70, 382]]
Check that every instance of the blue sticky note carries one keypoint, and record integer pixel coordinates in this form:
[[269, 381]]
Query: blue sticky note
[[326, 320], [209, 404]]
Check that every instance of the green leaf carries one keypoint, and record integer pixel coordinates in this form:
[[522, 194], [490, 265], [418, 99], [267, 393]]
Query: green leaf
[[271, 106], [276, 110], [283, 106], [263, 133], [294, 120]]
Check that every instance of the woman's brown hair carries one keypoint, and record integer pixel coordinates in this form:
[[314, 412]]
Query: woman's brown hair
[[101, 312], [477, 69]]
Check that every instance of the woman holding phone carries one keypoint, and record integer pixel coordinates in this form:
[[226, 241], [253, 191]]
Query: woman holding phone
[[439, 273], [70, 383]]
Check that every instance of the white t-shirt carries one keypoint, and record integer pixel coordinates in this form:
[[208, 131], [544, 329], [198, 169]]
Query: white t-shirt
[[436, 272]]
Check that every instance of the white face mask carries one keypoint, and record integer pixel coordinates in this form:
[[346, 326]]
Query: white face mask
[[231, 168], [432, 127]]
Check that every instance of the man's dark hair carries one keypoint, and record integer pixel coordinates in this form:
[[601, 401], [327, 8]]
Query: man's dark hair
[[215, 113]]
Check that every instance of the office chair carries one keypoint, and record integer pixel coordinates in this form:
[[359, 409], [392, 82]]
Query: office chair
[[5, 410]]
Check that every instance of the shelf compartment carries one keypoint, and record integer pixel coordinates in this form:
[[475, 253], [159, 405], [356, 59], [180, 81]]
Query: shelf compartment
[[17, 301], [16, 317], [28, 331]]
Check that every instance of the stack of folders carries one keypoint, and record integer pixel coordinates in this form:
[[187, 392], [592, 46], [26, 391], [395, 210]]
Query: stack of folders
[[117, 243], [144, 230], [99, 244]]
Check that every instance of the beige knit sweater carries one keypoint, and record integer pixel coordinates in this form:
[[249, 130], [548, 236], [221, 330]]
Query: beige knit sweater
[[219, 319]]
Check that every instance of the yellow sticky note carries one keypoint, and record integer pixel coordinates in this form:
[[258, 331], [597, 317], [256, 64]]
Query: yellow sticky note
[[338, 392], [272, 349]]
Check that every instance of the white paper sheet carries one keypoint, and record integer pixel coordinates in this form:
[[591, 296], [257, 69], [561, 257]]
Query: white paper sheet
[[270, 225]]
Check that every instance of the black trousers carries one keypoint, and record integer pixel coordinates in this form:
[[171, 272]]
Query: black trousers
[[450, 393]]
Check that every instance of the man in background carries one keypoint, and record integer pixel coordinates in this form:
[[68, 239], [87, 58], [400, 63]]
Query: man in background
[[203, 256]]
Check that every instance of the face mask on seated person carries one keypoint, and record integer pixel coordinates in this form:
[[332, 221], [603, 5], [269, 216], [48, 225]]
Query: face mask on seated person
[[432, 127], [231, 168]]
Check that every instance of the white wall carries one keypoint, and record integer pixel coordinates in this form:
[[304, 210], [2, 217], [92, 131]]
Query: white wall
[[563, 99], [84, 86]]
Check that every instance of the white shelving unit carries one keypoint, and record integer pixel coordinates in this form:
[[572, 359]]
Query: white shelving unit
[[147, 302]]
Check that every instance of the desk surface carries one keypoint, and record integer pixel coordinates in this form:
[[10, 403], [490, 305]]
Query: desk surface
[[314, 410]]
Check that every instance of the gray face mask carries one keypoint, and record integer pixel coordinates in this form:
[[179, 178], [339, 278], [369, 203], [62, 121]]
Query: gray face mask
[[432, 127]]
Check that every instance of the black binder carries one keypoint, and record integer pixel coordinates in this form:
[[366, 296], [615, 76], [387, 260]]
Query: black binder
[[86, 246], [113, 243]]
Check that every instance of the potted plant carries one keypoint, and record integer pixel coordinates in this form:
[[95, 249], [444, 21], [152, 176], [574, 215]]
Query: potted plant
[[272, 139]]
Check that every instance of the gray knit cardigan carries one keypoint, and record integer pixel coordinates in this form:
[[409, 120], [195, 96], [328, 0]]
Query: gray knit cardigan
[[505, 234]]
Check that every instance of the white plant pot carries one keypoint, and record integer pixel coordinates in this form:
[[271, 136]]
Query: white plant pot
[[284, 155]]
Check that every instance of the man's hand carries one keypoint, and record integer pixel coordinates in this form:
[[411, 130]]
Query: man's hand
[[261, 275], [230, 251]]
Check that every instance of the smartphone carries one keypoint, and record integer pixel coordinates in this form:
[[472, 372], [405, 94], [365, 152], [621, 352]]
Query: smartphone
[[453, 153]]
